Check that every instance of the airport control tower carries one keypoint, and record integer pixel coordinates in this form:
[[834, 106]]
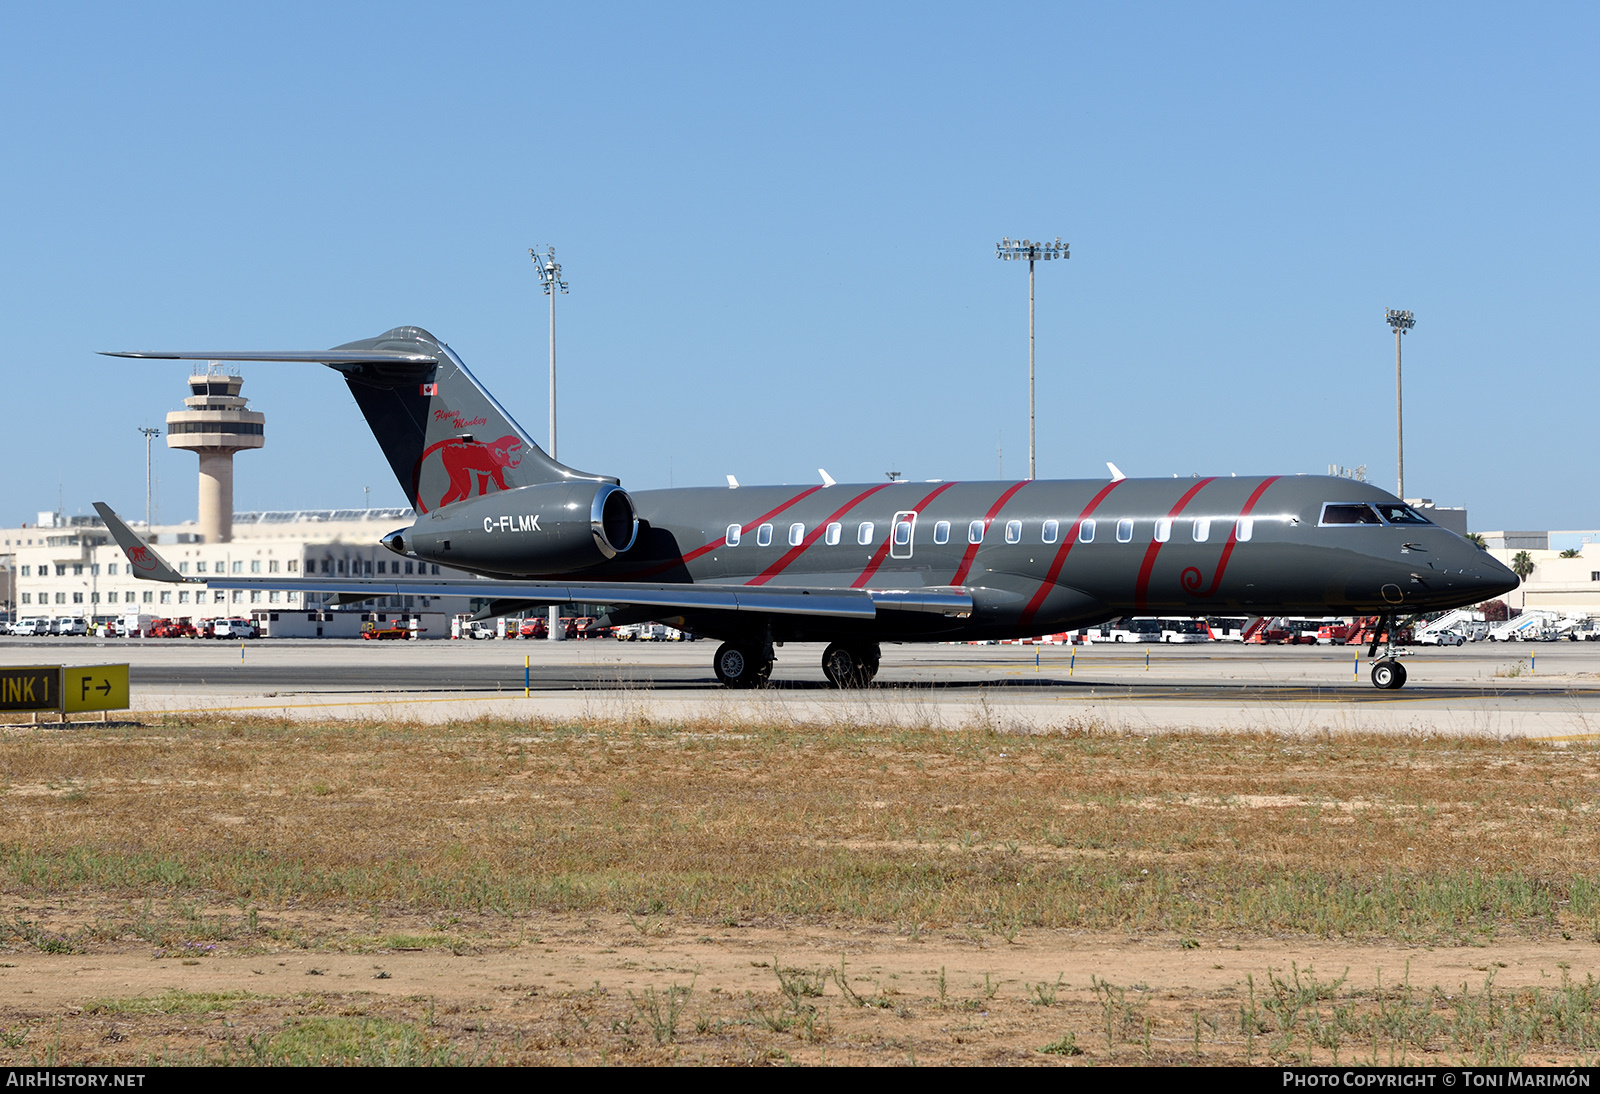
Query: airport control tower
[[215, 426]]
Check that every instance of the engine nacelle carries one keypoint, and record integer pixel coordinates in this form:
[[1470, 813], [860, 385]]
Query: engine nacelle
[[548, 528]]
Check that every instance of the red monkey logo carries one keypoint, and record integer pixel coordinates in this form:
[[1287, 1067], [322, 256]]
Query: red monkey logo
[[472, 466]]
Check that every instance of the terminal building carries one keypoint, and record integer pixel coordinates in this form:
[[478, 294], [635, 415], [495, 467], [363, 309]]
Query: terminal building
[[1569, 585], [68, 565]]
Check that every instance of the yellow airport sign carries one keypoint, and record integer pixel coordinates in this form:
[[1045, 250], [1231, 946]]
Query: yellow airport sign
[[35, 687], [94, 687]]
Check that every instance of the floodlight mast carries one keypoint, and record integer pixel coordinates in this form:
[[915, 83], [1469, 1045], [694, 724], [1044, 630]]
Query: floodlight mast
[[1401, 321], [549, 271], [150, 432], [1007, 250]]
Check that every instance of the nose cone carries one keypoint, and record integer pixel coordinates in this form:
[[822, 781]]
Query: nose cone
[[1493, 576], [396, 541]]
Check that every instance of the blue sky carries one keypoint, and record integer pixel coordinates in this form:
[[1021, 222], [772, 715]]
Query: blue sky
[[778, 224]]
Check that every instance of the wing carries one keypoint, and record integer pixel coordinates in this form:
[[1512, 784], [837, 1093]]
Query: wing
[[324, 356], [860, 604]]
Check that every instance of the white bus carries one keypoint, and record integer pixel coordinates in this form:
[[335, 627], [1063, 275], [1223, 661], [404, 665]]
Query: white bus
[[1146, 631], [1178, 629]]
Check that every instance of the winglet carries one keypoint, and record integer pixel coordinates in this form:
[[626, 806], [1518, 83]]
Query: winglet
[[1116, 472], [827, 479], [142, 558], [733, 483]]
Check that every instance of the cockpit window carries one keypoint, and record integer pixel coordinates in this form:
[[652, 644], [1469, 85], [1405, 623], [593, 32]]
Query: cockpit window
[[1401, 514], [1351, 513]]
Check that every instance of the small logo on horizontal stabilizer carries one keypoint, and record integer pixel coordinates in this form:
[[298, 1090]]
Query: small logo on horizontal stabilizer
[[430, 389]]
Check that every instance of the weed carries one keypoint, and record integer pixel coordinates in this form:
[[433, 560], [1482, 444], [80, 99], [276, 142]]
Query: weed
[[1044, 992], [1067, 1046], [661, 1010]]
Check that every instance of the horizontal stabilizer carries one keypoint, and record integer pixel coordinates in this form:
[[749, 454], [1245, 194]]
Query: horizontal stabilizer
[[141, 556]]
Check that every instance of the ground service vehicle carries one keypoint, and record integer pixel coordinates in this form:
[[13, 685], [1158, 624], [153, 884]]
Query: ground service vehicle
[[852, 566], [233, 628]]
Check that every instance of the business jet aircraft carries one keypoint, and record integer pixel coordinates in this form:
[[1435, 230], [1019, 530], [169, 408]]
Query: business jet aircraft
[[856, 565]]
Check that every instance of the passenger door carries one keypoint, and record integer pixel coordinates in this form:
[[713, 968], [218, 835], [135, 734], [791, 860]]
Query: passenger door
[[902, 533]]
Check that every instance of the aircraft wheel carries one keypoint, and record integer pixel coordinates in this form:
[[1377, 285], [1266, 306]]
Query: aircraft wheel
[[1389, 675], [740, 666], [850, 666]]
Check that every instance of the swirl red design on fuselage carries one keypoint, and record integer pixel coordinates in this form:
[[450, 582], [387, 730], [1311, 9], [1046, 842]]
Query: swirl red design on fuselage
[[1142, 587], [1192, 585]]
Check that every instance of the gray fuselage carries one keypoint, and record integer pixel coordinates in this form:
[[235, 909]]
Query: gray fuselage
[[1051, 555]]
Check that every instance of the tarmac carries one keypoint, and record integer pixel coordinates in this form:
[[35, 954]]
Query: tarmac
[[1544, 690]]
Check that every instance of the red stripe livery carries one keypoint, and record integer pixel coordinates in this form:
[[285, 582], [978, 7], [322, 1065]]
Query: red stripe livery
[[1191, 584], [716, 543], [1066, 547], [795, 552], [1150, 552], [988, 519], [883, 551]]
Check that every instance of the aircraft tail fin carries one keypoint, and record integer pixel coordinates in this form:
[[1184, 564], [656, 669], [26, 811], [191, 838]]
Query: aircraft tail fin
[[142, 558], [445, 437]]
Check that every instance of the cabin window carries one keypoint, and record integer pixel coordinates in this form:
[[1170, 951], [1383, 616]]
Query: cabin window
[[1052, 529], [1013, 531], [764, 536], [941, 532], [864, 533], [1124, 530], [797, 534], [733, 535], [831, 536], [902, 533], [975, 532], [1352, 513], [1163, 530], [1202, 529], [1244, 529], [1086, 531]]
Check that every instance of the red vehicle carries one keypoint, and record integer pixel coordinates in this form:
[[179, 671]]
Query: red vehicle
[[1336, 634], [538, 627], [385, 632], [173, 628]]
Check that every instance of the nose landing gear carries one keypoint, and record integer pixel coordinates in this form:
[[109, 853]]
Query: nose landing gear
[[1388, 674]]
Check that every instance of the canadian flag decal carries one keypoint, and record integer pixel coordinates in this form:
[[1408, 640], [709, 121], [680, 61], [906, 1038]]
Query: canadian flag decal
[[430, 389]]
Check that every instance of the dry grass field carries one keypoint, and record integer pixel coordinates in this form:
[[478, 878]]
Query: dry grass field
[[236, 891]]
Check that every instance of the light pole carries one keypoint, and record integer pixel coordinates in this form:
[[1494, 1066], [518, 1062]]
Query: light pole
[[1008, 249], [1401, 321], [549, 271], [150, 433]]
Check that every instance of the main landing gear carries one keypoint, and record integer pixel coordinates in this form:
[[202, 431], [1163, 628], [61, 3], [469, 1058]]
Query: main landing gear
[[1388, 674], [850, 664], [749, 664], [742, 666]]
